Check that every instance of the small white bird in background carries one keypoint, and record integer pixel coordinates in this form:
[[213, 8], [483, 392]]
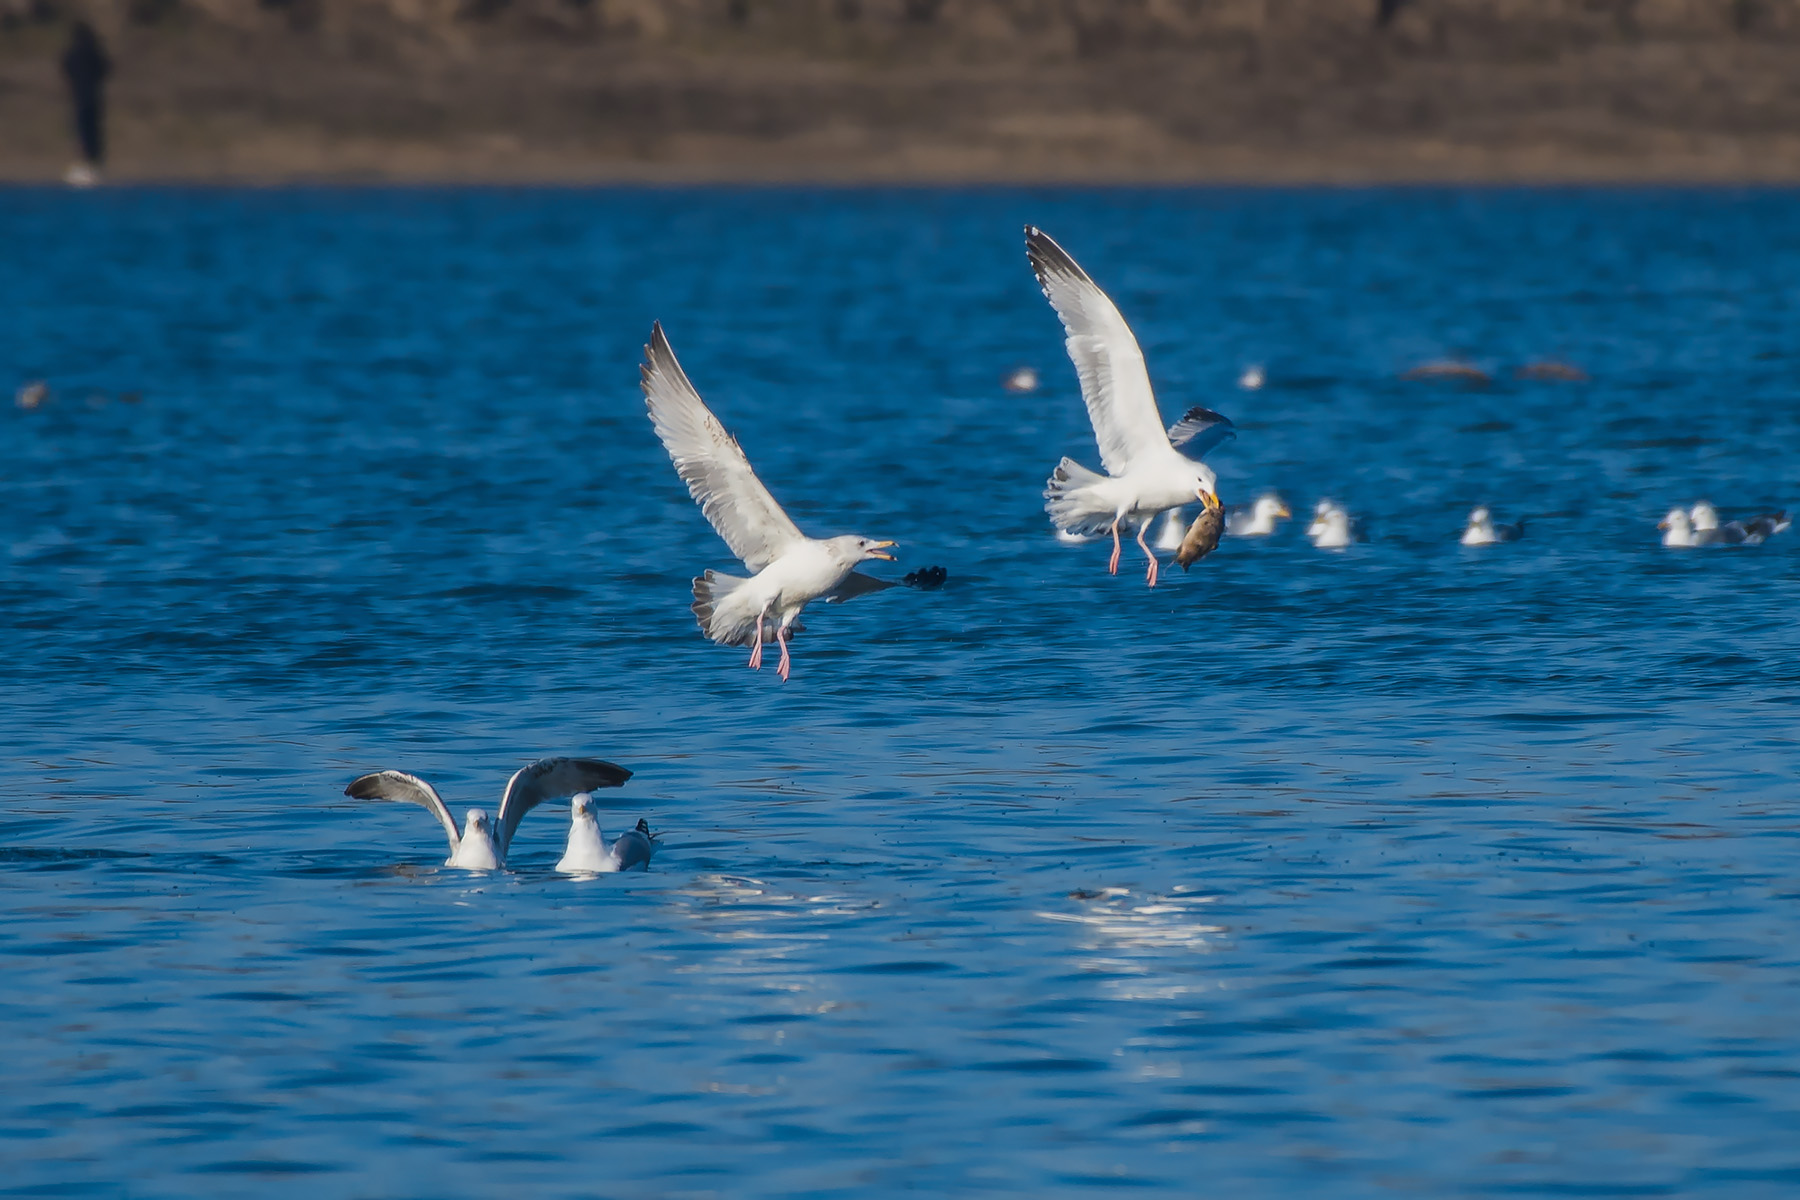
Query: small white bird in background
[[1252, 378], [1145, 474], [1259, 519], [1174, 528], [481, 846], [1678, 529], [790, 569], [1484, 531], [587, 852], [1021, 379], [1331, 528]]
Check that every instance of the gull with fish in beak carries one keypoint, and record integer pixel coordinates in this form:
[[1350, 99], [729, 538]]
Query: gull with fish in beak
[[790, 570], [1203, 535], [1145, 473]]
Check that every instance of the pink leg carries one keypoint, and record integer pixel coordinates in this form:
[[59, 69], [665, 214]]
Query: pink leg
[[756, 653], [1112, 568], [786, 661], [1150, 571]]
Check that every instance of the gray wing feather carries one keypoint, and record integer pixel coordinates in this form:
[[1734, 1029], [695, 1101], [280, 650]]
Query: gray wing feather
[[1114, 381], [1201, 430], [398, 785], [856, 584], [711, 463], [551, 779]]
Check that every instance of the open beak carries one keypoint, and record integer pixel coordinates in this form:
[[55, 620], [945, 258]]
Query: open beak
[[875, 550], [1208, 499]]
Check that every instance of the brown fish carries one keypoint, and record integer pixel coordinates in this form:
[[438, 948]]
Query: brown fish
[[1203, 535]]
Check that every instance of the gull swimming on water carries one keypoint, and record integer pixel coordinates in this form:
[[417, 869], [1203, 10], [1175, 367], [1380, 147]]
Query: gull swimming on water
[[587, 852], [1145, 474], [1331, 527], [1259, 519], [1484, 531], [790, 570], [482, 846]]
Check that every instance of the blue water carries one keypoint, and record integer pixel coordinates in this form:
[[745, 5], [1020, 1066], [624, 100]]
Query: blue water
[[1410, 870]]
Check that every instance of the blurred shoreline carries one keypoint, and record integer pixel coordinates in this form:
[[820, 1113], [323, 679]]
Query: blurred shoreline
[[1009, 92]]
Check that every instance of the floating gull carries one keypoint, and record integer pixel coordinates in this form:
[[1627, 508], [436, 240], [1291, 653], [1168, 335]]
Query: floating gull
[[1331, 528], [1252, 378], [1483, 531], [1145, 474], [790, 569], [587, 852], [1259, 519], [481, 846], [32, 394], [1700, 526], [1203, 535]]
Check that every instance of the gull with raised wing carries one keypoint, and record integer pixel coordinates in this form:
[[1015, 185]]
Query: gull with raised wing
[[790, 570], [482, 845], [1145, 473]]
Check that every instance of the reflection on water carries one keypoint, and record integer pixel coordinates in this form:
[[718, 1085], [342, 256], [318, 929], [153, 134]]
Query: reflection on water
[[1414, 869]]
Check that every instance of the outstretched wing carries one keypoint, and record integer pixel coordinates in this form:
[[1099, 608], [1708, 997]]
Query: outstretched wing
[[711, 463], [1201, 430], [856, 584], [1114, 383], [398, 785], [551, 779]]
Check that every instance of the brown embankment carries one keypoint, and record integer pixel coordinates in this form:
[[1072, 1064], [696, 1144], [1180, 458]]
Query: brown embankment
[[925, 90]]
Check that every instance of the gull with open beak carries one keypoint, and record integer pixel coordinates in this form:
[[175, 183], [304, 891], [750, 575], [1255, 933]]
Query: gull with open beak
[[790, 569], [1145, 473]]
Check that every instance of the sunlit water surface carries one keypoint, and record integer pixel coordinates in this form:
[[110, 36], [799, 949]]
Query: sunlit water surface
[[1411, 869]]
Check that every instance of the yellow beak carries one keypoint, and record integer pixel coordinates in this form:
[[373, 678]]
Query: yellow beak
[[1283, 511], [879, 545]]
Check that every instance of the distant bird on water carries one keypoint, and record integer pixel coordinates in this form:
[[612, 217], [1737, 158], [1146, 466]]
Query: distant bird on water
[[1483, 530], [1448, 369], [1331, 528], [790, 569], [1252, 378], [587, 852], [1145, 473], [32, 394], [482, 845], [1259, 519]]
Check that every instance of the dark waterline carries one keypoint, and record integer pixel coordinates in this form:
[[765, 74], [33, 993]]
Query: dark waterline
[[1409, 870]]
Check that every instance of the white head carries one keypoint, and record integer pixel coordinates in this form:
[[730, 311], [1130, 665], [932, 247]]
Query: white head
[[476, 824], [1270, 507], [1680, 530], [581, 805], [1704, 516], [1480, 515], [1321, 510], [1331, 530], [853, 549]]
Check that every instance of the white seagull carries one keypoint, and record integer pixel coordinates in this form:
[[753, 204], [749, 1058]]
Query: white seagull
[[1678, 529], [480, 846], [790, 569], [1331, 528], [1482, 530], [1259, 519], [587, 852], [1145, 474]]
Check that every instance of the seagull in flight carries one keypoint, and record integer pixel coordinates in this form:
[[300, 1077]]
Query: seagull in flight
[[481, 846], [1145, 472], [789, 569]]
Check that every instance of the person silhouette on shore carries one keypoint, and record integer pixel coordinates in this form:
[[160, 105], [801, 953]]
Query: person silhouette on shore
[[86, 67]]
